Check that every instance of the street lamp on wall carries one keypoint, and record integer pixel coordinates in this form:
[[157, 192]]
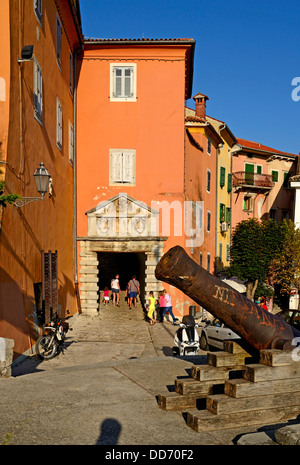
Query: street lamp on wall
[[43, 183]]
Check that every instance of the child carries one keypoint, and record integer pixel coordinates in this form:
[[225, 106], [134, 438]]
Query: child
[[106, 295], [151, 308]]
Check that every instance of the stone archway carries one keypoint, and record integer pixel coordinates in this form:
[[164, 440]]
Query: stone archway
[[120, 225]]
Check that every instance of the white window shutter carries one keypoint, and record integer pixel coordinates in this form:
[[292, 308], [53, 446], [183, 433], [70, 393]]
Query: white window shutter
[[117, 82], [128, 167], [116, 166]]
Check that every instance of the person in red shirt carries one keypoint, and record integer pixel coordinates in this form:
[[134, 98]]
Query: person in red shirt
[[262, 304]]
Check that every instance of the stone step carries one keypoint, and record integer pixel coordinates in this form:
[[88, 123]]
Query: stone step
[[222, 404], [202, 420]]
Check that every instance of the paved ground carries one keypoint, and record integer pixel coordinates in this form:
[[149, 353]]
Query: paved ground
[[102, 389]]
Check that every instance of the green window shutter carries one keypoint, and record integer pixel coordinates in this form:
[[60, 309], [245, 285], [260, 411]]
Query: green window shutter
[[228, 215], [275, 176], [258, 169], [229, 182], [222, 212], [222, 176], [249, 176]]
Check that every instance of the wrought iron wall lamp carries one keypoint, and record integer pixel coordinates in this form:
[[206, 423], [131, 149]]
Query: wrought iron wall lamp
[[43, 183]]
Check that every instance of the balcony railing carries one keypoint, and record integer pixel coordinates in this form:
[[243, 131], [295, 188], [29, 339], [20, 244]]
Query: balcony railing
[[254, 180]]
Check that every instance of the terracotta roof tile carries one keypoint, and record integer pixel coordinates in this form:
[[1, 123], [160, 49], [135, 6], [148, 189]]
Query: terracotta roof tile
[[256, 145], [144, 39], [195, 119]]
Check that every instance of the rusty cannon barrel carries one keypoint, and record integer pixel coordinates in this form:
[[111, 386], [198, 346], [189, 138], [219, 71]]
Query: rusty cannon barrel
[[258, 327]]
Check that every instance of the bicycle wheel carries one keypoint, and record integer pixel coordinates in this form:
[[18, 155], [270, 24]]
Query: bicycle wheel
[[46, 347]]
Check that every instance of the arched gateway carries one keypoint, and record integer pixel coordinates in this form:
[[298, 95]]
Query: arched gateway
[[121, 239]]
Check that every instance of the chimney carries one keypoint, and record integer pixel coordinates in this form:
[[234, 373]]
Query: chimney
[[200, 105]]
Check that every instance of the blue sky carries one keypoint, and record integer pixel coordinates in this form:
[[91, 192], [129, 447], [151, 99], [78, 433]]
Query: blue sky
[[247, 54]]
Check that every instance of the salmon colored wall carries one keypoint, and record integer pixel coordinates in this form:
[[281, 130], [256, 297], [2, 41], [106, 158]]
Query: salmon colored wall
[[197, 163], [153, 126], [41, 225], [278, 198]]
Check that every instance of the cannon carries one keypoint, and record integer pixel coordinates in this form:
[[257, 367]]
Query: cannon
[[259, 328]]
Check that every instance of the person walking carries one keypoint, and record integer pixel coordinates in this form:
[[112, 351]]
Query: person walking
[[168, 307], [151, 308], [106, 295], [115, 289], [134, 290], [162, 305]]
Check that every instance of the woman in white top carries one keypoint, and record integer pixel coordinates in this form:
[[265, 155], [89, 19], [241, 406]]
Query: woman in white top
[[115, 289]]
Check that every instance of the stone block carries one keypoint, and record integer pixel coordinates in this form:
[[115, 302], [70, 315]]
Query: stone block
[[288, 435], [6, 356]]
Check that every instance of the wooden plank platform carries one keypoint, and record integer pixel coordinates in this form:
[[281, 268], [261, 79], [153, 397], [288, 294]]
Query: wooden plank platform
[[276, 357], [223, 404], [242, 388], [191, 386], [259, 372], [174, 401], [263, 393], [209, 373], [203, 420], [224, 359]]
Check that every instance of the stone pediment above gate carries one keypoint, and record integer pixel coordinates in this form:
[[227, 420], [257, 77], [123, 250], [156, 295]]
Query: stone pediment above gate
[[122, 216]]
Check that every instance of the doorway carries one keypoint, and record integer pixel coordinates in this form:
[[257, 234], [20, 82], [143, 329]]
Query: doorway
[[125, 264]]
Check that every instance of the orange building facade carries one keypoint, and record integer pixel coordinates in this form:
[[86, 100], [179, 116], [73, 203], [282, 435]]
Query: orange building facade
[[36, 125], [131, 162], [202, 143]]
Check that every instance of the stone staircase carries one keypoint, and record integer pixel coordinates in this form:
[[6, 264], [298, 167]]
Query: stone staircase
[[235, 390]]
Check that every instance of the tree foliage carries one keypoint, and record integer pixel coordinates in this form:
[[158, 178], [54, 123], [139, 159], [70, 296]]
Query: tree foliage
[[6, 198], [286, 265], [254, 245]]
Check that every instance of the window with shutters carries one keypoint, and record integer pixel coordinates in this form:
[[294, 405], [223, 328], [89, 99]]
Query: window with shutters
[[208, 180], [275, 176], [208, 146], [58, 124], [229, 182], [38, 10], [71, 73], [58, 42], [208, 215], [222, 176], [222, 212], [208, 262], [38, 92], [122, 167], [123, 82], [71, 143]]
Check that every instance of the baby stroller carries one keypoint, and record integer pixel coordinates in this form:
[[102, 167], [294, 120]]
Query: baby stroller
[[186, 338]]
